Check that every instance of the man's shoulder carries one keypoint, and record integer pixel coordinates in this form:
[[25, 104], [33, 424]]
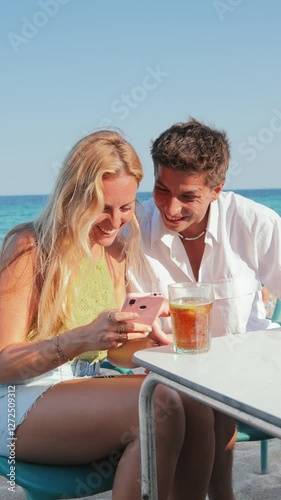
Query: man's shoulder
[[145, 211], [243, 207], [148, 206]]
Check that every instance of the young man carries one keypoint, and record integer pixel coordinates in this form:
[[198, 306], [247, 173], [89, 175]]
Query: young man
[[192, 231]]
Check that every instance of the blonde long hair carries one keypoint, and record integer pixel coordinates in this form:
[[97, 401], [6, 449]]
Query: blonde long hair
[[62, 230]]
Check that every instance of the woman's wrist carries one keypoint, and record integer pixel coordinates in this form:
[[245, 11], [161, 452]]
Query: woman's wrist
[[60, 356], [71, 344]]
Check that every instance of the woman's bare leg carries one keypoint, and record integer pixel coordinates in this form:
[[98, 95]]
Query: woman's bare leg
[[221, 479], [197, 456], [81, 421]]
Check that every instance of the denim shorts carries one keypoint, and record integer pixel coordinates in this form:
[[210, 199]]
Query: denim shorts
[[17, 399]]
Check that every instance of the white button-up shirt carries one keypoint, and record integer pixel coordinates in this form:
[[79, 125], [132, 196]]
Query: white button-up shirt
[[242, 250]]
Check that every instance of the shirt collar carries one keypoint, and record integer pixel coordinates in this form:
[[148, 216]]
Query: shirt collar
[[159, 230], [213, 221]]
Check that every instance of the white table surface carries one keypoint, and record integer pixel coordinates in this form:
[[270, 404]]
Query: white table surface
[[242, 371]]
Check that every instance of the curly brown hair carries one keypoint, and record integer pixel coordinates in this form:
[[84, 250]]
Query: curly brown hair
[[194, 148]]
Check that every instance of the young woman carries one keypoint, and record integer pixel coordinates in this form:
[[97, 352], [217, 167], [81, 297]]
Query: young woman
[[62, 282]]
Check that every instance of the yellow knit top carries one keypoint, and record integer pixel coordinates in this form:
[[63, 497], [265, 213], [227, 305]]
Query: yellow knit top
[[93, 292]]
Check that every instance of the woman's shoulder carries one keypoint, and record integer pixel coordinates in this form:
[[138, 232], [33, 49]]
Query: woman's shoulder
[[18, 246]]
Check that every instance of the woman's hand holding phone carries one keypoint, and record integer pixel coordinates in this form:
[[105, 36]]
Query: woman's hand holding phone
[[147, 305], [150, 306]]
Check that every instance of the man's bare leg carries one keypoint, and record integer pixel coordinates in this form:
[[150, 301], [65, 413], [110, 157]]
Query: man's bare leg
[[220, 487]]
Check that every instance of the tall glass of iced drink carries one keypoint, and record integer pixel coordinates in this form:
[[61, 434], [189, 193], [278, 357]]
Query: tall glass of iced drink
[[190, 308]]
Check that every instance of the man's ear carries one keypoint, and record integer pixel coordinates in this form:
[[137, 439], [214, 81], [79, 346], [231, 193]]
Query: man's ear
[[217, 190]]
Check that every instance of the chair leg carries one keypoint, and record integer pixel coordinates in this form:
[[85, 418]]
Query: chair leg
[[264, 456]]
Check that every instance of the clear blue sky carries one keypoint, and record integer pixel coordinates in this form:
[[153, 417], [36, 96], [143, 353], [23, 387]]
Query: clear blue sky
[[71, 66]]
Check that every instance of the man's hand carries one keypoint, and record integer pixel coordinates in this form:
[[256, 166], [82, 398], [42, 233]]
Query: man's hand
[[158, 335]]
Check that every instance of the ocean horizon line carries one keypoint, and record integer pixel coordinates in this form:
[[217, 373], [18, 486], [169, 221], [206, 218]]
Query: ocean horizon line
[[236, 190], [16, 209]]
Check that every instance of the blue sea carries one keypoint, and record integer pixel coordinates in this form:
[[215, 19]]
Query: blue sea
[[17, 209]]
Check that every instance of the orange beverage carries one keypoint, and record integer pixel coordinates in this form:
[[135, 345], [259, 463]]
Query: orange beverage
[[191, 323]]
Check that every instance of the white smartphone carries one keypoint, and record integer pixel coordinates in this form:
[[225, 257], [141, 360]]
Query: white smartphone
[[147, 305]]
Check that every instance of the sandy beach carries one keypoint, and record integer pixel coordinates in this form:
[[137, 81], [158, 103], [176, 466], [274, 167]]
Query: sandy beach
[[249, 484]]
